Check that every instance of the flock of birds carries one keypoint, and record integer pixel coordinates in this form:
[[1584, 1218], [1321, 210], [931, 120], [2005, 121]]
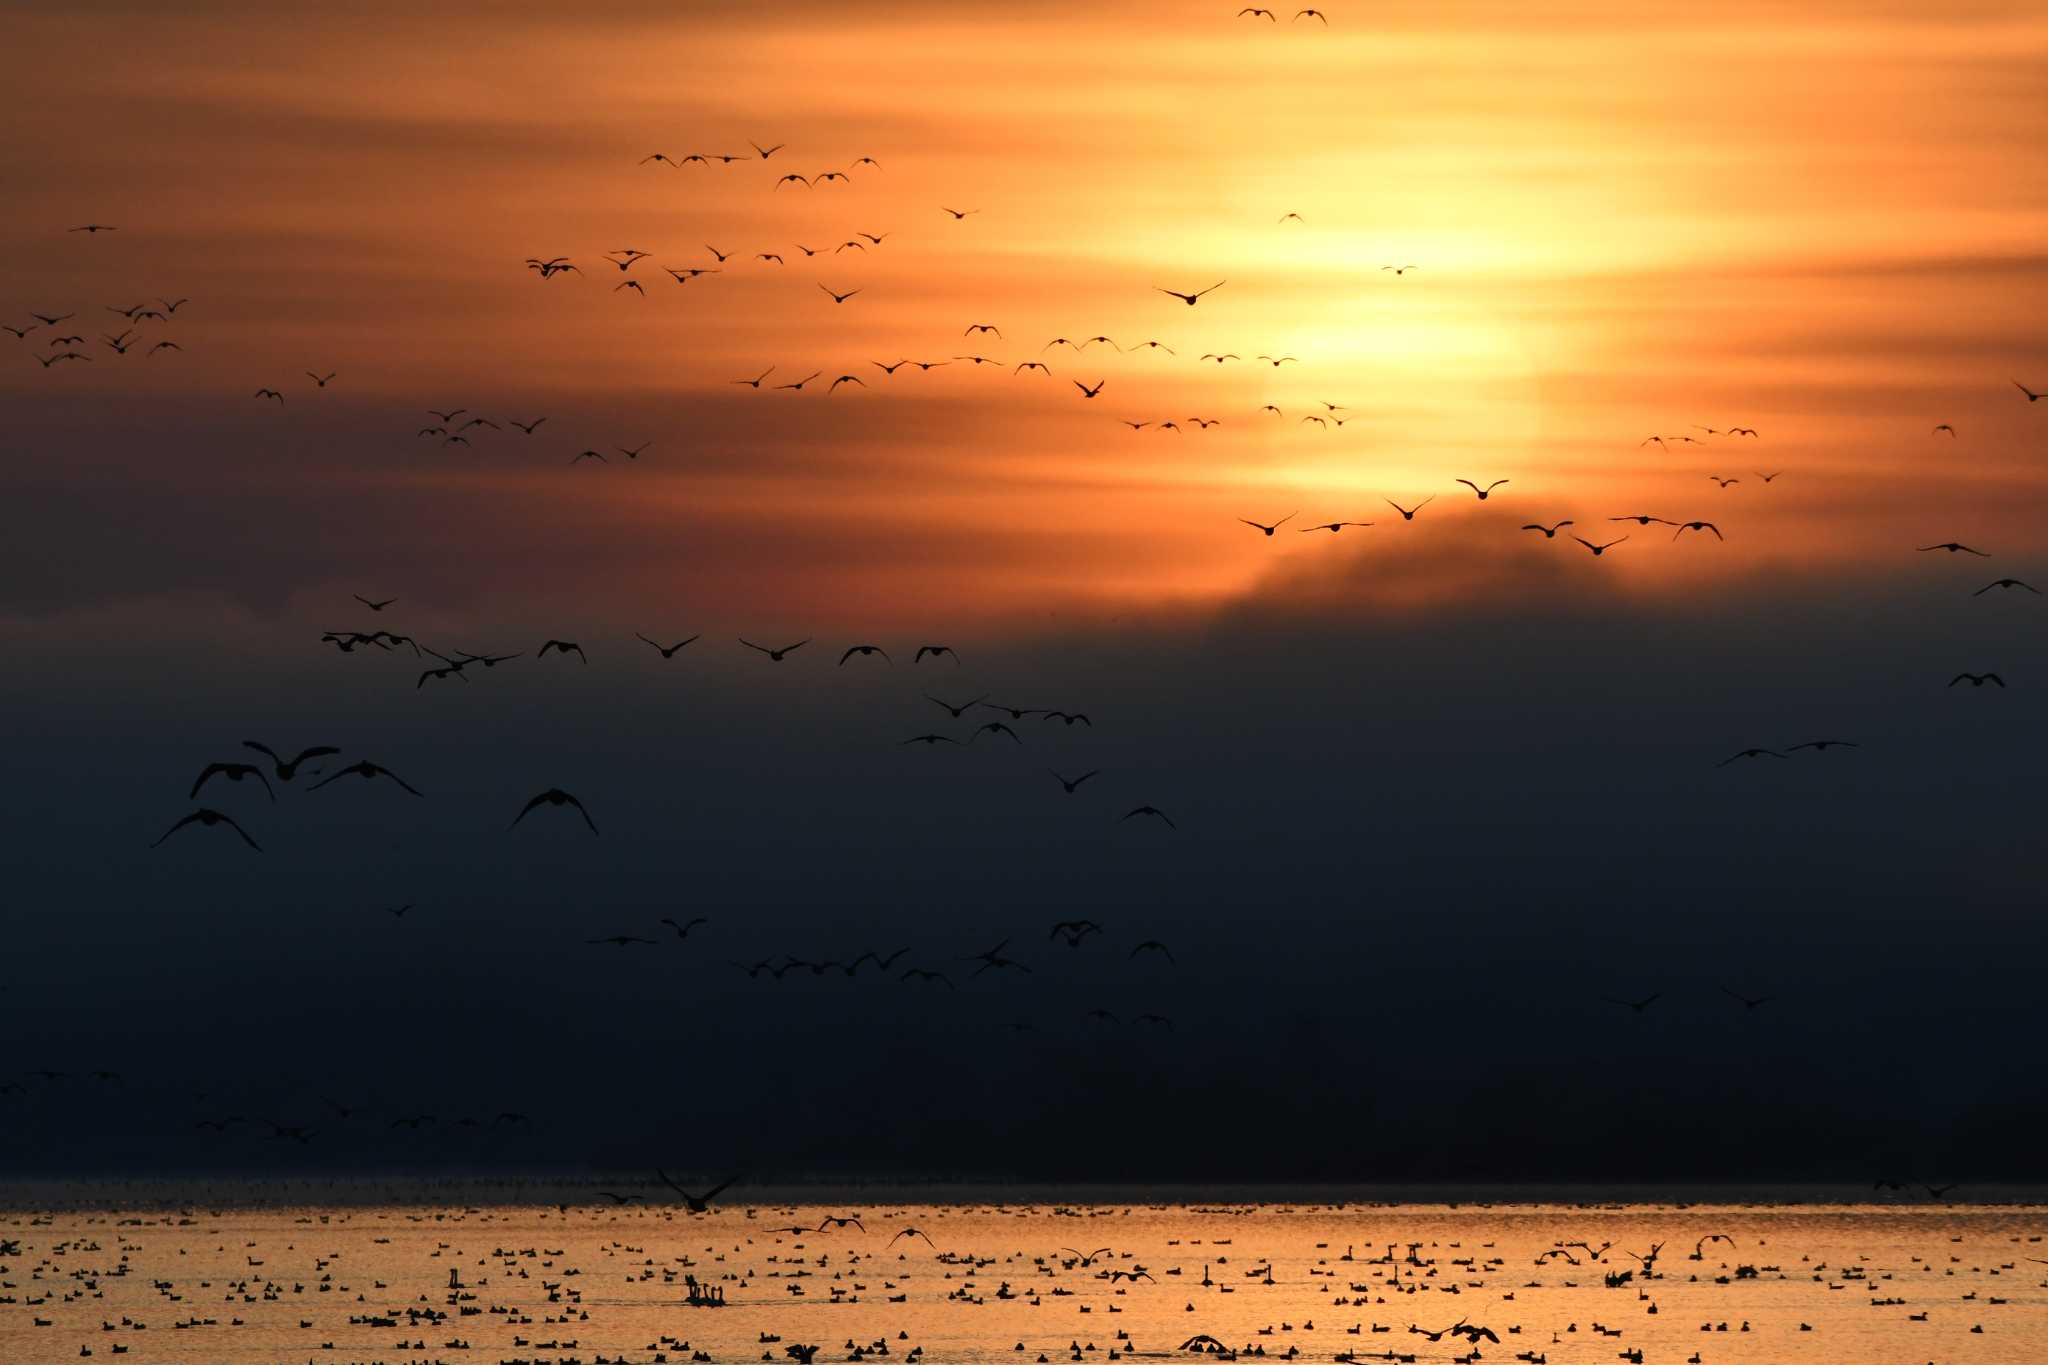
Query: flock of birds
[[583, 1282]]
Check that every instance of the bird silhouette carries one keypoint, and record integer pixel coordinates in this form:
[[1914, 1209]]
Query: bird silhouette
[[774, 655], [208, 818], [1482, 492], [286, 770], [665, 651], [233, 772], [564, 648], [1191, 299], [1269, 530], [1153, 811], [864, 651], [1408, 513], [1954, 547], [1976, 679], [697, 1203], [2006, 583], [1601, 549], [553, 796], [366, 770]]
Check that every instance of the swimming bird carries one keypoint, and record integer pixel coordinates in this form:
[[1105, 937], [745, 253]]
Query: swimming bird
[[1190, 299], [209, 818], [774, 654], [1269, 530], [666, 651], [554, 796], [366, 770]]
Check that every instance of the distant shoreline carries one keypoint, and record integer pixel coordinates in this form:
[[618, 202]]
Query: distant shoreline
[[213, 1191]]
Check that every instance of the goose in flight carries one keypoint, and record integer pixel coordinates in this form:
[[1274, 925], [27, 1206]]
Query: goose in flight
[[794, 176], [320, 380], [1821, 746], [1269, 530], [993, 958], [1033, 365], [1331, 526], [972, 328], [957, 711], [209, 818], [912, 1232], [1685, 526], [683, 930], [93, 227], [1954, 547], [366, 770], [928, 740], [1748, 1003], [1268, 15], [1723, 482], [1220, 358], [935, 651], [1190, 299], [1153, 811], [286, 770], [1277, 361], [529, 427], [697, 1203], [373, 606], [233, 772], [563, 647], [269, 393], [553, 796], [837, 297], [1087, 392], [1398, 269], [1749, 753], [623, 941], [666, 651], [845, 379], [1742, 431], [1301, 14], [1408, 513], [1940, 427], [1976, 679], [864, 651], [1071, 785], [799, 384], [2006, 583], [2032, 397], [1549, 532], [1638, 1006], [774, 655], [1152, 945], [1645, 520], [1482, 492], [994, 727], [958, 214]]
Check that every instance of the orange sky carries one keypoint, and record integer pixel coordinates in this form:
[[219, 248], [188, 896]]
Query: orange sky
[[1823, 221]]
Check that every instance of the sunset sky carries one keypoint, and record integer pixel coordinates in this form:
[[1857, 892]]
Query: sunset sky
[[1824, 221]]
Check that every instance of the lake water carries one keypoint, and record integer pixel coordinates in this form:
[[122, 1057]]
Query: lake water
[[348, 1285]]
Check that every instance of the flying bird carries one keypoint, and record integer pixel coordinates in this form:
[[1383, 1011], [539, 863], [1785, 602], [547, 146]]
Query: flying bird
[[774, 654], [209, 818], [1482, 492], [1269, 530], [1954, 547], [1190, 299], [1408, 513], [2006, 583], [1152, 811], [286, 770], [553, 796], [563, 647], [1976, 679], [666, 651], [366, 770], [1549, 532]]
